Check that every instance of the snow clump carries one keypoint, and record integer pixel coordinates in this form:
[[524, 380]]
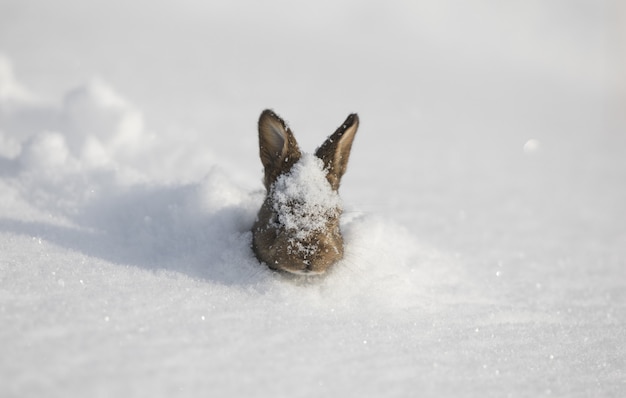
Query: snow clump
[[303, 199]]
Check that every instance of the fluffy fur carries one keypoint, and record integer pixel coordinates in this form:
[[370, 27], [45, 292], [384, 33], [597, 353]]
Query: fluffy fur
[[297, 228]]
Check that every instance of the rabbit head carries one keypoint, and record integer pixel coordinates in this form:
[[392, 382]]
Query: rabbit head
[[297, 228]]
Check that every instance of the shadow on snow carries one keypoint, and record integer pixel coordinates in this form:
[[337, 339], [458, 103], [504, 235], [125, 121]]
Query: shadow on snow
[[160, 228]]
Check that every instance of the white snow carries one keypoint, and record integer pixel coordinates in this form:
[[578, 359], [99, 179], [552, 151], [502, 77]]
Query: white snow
[[484, 199], [303, 198]]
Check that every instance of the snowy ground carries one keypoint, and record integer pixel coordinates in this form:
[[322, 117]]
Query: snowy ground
[[485, 225]]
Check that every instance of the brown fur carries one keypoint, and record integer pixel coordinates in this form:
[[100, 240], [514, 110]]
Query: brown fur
[[279, 151]]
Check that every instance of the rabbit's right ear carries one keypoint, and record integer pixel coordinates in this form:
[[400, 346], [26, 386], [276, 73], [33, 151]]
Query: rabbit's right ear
[[335, 151], [277, 146]]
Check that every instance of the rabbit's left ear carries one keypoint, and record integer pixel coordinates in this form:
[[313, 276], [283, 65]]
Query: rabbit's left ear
[[335, 151], [278, 148]]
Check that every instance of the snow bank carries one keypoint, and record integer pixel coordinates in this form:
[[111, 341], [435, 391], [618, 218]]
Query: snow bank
[[91, 142]]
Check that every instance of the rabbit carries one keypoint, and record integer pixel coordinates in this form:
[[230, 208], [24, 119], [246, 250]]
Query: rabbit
[[297, 227]]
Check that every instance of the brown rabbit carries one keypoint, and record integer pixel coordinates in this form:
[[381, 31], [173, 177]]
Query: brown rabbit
[[297, 228]]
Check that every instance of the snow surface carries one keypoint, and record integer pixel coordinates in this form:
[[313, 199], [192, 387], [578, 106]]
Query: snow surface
[[484, 200]]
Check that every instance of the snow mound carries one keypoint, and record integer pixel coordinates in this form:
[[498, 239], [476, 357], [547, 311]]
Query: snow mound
[[92, 128], [92, 143]]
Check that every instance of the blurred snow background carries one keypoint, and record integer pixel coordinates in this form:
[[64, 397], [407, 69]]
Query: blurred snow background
[[486, 233]]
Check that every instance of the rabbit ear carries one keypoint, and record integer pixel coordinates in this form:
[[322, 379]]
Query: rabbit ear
[[277, 146], [336, 150]]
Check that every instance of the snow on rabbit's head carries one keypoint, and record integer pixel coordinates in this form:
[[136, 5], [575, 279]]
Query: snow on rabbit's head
[[297, 228]]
